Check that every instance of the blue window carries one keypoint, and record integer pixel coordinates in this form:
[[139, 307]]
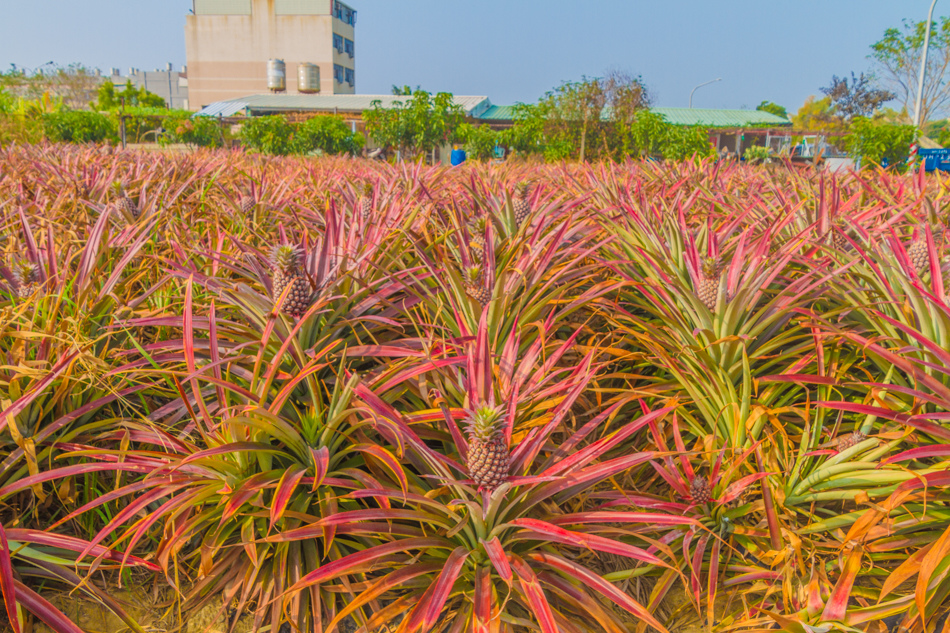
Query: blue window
[[338, 43], [338, 73], [351, 76], [349, 47]]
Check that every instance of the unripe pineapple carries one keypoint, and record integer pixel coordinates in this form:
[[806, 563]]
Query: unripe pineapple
[[366, 201], [248, 204], [918, 254], [838, 238], [708, 288], [474, 280], [699, 490], [488, 460], [849, 440], [26, 276], [124, 203], [286, 260], [522, 207], [476, 234]]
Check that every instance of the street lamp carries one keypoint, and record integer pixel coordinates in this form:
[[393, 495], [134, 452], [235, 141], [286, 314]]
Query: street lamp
[[706, 84], [923, 66]]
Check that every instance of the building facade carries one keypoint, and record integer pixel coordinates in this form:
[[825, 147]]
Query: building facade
[[169, 84], [228, 44]]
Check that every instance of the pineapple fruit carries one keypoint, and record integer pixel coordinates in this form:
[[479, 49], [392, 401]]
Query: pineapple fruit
[[522, 207], [477, 243], [286, 262], [474, 281], [366, 201], [124, 203], [918, 254], [849, 440], [699, 490], [26, 276], [248, 204], [708, 287], [488, 460]]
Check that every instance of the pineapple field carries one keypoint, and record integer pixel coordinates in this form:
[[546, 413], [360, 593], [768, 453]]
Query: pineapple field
[[341, 395]]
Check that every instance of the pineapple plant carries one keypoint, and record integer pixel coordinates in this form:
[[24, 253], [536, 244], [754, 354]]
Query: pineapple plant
[[699, 490], [124, 203], [287, 269], [26, 276], [366, 201], [849, 440], [521, 205], [488, 460], [474, 281], [708, 288]]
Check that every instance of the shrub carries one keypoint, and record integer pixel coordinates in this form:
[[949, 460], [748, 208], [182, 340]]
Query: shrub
[[480, 141], [874, 142], [200, 131], [79, 126], [269, 134], [327, 135]]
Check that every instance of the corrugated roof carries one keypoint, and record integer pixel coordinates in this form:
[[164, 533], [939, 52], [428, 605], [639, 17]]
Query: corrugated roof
[[720, 118], [499, 113], [223, 108], [473, 105], [678, 116]]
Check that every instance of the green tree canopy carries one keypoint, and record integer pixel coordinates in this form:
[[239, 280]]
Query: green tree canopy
[[772, 108], [898, 57], [818, 115], [418, 125], [108, 98]]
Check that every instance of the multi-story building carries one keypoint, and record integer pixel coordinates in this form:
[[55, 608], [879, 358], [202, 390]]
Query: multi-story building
[[229, 43]]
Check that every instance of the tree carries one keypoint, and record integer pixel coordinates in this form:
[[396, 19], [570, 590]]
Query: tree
[[108, 98], [591, 118], [419, 125], [772, 108], [859, 98], [898, 55], [818, 115], [403, 90]]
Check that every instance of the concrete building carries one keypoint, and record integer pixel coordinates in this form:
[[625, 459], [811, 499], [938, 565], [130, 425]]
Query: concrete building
[[229, 42], [169, 84]]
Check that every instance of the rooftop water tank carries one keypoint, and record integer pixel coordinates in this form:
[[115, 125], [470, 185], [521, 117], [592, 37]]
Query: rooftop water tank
[[276, 75], [308, 78]]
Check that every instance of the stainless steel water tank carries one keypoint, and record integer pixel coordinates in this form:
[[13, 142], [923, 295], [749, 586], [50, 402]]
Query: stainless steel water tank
[[308, 78], [276, 75]]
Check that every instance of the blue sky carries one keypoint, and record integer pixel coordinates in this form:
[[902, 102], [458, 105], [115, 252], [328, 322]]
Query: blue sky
[[515, 50]]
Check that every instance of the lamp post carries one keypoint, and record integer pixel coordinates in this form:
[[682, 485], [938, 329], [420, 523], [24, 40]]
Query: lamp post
[[706, 84], [923, 66]]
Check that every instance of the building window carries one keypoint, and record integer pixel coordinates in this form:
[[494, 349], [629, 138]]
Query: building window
[[339, 73], [344, 13], [349, 47], [351, 76], [338, 43]]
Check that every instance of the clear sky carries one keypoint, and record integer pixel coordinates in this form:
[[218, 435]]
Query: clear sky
[[515, 50]]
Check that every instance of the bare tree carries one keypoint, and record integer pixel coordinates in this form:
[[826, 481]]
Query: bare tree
[[898, 55], [859, 98]]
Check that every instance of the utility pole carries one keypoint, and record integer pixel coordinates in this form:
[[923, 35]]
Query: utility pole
[[923, 66]]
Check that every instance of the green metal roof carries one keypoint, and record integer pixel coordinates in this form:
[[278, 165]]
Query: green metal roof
[[678, 116], [720, 118], [498, 113]]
